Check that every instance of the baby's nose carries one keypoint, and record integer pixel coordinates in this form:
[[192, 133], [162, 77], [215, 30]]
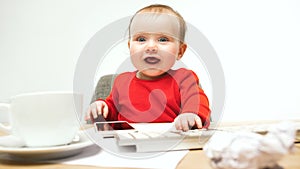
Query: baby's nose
[[151, 46]]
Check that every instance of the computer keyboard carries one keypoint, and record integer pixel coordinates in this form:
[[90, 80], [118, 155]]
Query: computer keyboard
[[167, 140], [151, 141]]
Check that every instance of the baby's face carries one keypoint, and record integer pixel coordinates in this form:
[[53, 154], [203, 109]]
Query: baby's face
[[154, 43]]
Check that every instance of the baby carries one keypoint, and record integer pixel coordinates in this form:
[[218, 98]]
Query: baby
[[155, 92]]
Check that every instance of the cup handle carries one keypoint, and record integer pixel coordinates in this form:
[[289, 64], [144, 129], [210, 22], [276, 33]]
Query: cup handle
[[5, 107]]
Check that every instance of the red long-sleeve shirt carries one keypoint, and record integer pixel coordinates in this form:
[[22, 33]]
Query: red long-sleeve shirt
[[159, 100]]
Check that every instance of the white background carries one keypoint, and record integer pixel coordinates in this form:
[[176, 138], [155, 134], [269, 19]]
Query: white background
[[257, 42]]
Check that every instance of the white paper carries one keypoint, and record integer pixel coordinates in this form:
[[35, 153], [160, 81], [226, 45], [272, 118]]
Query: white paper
[[248, 150], [166, 160]]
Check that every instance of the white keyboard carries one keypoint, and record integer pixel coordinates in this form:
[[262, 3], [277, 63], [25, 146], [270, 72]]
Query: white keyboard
[[151, 141]]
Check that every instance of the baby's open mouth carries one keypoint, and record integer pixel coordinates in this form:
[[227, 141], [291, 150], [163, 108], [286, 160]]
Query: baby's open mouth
[[151, 60]]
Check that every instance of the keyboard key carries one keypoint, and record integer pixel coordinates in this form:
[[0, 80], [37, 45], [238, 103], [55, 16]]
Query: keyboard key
[[139, 135]]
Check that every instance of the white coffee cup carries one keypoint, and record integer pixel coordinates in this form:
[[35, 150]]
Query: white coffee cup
[[4, 114], [44, 118]]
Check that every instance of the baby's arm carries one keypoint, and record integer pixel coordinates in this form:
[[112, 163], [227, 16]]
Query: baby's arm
[[195, 110], [186, 121], [96, 109]]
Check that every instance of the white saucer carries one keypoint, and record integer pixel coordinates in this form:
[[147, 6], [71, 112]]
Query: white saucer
[[47, 153]]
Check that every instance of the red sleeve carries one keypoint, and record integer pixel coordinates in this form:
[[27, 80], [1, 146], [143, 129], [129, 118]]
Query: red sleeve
[[193, 98], [112, 110]]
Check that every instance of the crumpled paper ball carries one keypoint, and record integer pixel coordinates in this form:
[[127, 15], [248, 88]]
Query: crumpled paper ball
[[249, 150]]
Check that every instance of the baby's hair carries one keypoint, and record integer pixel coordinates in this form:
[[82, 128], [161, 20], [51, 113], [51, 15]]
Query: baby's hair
[[159, 8]]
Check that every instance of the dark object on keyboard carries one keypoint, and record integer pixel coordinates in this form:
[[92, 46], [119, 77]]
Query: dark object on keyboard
[[112, 125], [100, 118]]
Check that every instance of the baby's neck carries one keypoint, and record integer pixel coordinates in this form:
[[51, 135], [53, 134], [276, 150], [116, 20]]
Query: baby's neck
[[142, 76]]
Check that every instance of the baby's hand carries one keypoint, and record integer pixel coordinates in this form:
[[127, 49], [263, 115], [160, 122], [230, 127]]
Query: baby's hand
[[96, 109], [186, 121]]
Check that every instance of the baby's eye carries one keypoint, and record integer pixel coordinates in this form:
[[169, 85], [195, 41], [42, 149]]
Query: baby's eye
[[163, 39], [141, 39]]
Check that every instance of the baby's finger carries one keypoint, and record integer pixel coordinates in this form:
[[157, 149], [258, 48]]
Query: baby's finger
[[178, 125], [99, 109], [89, 116], [198, 122], [94, 112], [191, 121], [184, 124], [105, 110]]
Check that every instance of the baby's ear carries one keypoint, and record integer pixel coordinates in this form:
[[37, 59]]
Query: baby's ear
[[181, 51], [128, 43], [179, 57]]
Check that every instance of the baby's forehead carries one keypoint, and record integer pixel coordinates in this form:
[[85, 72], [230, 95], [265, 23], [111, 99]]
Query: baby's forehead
[[163, 23], [158, 34]]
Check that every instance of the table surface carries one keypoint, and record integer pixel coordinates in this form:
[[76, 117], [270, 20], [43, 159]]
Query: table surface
[[193, 159]]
